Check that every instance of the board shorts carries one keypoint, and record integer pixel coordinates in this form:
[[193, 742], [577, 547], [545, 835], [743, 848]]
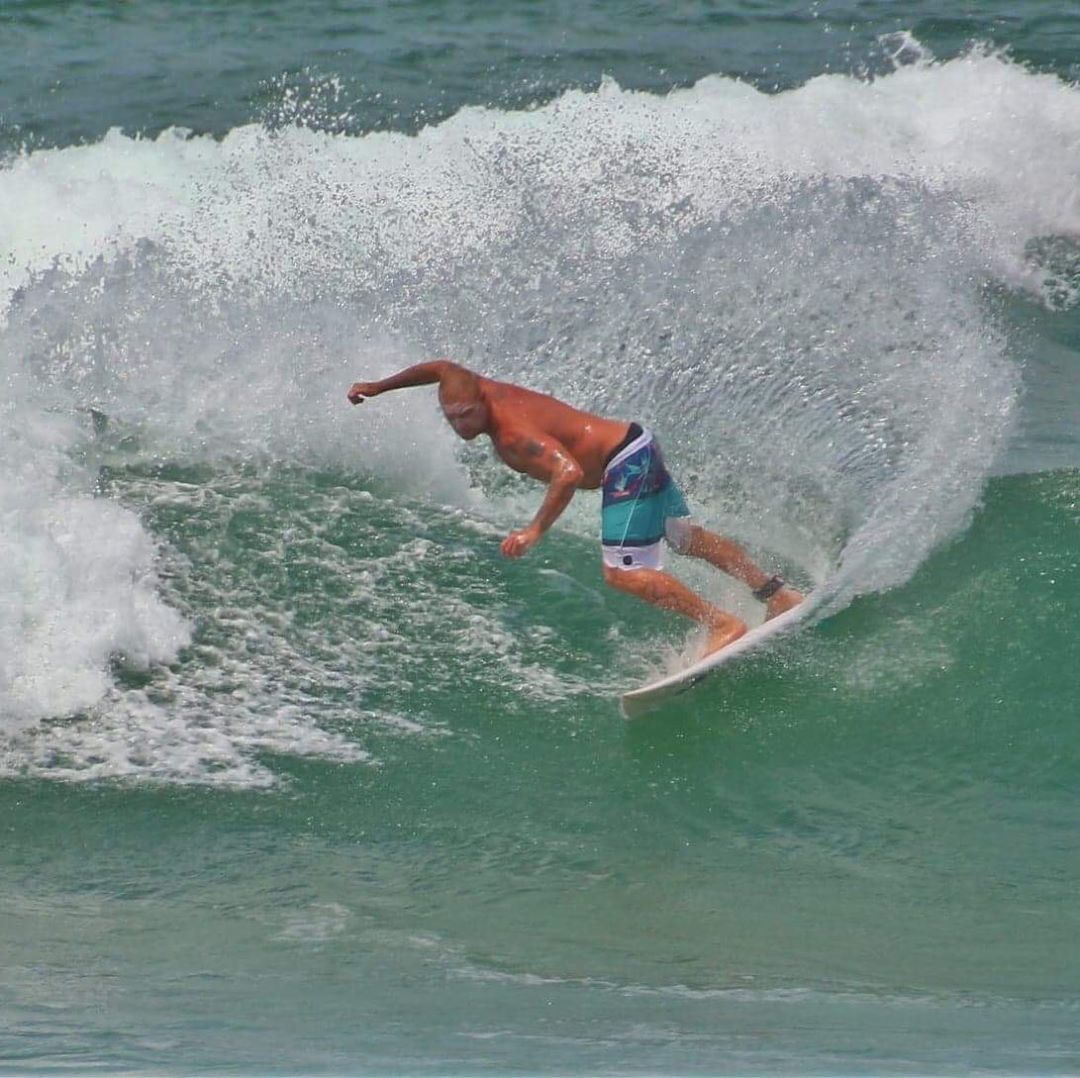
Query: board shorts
[[642, 505]]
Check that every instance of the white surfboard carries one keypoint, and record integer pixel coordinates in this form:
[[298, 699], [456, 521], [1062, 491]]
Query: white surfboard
[[638, 701]]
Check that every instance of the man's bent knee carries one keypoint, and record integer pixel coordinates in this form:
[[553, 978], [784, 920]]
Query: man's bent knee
[[679, 533]]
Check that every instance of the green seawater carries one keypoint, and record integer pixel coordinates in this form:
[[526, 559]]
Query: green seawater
[[298, 775], [210, 65], [859, 845]]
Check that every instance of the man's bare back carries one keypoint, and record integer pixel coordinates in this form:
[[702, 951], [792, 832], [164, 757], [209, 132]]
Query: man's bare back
[[568, 449], [523, 422], [524, 426]]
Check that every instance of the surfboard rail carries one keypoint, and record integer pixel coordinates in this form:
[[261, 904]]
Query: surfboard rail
[[651, 695]]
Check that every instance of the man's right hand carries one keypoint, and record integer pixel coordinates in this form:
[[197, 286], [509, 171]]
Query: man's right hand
[[360, 390]]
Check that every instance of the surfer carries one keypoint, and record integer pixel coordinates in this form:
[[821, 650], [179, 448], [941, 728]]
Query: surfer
[[569, 449]]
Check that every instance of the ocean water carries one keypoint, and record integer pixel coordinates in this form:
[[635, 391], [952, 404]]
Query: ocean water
[[298, 775]]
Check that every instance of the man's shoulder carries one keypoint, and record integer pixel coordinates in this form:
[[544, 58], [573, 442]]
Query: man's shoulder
[[512, 430]]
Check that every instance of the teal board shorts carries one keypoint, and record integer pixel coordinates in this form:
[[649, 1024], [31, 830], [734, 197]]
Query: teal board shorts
[[642, 504]]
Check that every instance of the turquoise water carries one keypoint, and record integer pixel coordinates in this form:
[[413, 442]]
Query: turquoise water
[[298, 775]]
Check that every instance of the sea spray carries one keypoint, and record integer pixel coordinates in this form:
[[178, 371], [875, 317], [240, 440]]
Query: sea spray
[[794, 289]]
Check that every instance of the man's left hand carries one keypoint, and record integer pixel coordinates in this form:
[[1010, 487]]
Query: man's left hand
[[516, 543]]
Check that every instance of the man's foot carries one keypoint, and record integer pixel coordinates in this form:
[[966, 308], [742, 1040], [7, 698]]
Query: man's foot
[[722, 635], [784, 599]]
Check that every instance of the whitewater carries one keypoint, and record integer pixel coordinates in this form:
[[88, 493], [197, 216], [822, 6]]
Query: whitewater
[[800, 290], [298, 774]]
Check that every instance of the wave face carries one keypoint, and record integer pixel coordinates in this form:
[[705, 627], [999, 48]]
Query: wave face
[[288, 751], [802, 292]]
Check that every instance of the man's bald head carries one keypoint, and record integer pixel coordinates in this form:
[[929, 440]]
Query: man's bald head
[[458, 386], [463, 402]]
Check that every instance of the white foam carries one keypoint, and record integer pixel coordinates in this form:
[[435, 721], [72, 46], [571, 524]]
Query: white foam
[[77, 580], [716, 260], [294, 204]]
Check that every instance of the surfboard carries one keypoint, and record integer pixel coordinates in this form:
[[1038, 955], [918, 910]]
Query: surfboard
[[639, 701]]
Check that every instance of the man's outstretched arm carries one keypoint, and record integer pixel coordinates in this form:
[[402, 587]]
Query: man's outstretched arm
[[423, 374]]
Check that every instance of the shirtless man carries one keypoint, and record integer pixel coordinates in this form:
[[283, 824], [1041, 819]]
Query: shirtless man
[[567, 449]]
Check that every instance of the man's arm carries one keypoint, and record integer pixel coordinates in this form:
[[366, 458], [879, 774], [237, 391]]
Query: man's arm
[[548, 457], [423, 374]]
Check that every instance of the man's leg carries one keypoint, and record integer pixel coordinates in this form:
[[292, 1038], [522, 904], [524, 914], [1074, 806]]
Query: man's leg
[[662, 589], [729, 557]]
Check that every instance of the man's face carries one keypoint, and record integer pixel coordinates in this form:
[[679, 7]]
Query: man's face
[[468, 420]]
